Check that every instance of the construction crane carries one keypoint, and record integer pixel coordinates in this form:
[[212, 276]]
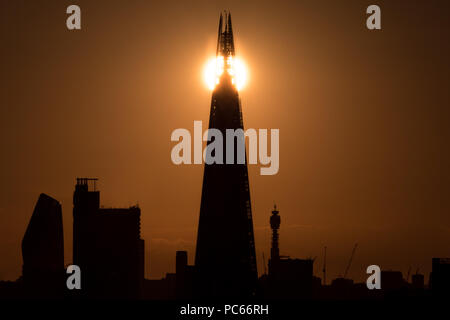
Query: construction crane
[[324, 270], [264, 264], [350, 261]]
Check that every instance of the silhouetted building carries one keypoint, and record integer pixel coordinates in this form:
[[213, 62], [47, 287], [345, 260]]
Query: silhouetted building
[[418, 281], [342, 288], [185, 276], [225, 254], [288, 278], [107, 245], [43, 251], [393, 284], [13, 290], [160, 289], [440, 277], [178, 285], [392, 280]]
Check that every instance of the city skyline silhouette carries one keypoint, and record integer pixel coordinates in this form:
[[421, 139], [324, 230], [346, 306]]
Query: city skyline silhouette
[[109, 252], [362, 121]]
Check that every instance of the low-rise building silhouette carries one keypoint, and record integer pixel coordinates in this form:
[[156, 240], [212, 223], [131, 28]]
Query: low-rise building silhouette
[[418, 281], [392, 280]]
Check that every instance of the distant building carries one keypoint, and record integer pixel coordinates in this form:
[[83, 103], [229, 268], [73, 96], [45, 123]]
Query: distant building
[[43, 251], [160, 289], [185, 276], [107, 245], [290, 278], [392, 280], [341, 285], [178, 285], [418, 281], [287, 278], [440, 277]]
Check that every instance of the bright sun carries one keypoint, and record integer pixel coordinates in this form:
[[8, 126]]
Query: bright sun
[[216, 66]]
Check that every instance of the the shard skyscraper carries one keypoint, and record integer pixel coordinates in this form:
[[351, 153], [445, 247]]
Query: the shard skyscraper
[[225, 256]]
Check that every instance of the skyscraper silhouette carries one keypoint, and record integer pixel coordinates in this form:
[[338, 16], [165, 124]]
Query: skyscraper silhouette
[[43, 250], [107, 245], [225, 255]]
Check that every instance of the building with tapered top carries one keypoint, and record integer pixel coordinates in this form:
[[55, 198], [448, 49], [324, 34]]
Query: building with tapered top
[[225, 255], [43, 271]]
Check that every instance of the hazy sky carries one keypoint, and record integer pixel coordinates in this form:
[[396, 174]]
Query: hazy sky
[[363, 118]]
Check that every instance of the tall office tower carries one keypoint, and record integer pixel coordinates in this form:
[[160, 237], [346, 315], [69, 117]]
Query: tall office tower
[[225, 255], [86, 202], [43, 250], [106, 245]]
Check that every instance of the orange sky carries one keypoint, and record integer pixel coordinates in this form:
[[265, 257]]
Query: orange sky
[[363, 118]]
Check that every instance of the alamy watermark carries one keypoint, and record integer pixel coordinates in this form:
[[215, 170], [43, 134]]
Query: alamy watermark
[[73, 21], [235, 151]]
